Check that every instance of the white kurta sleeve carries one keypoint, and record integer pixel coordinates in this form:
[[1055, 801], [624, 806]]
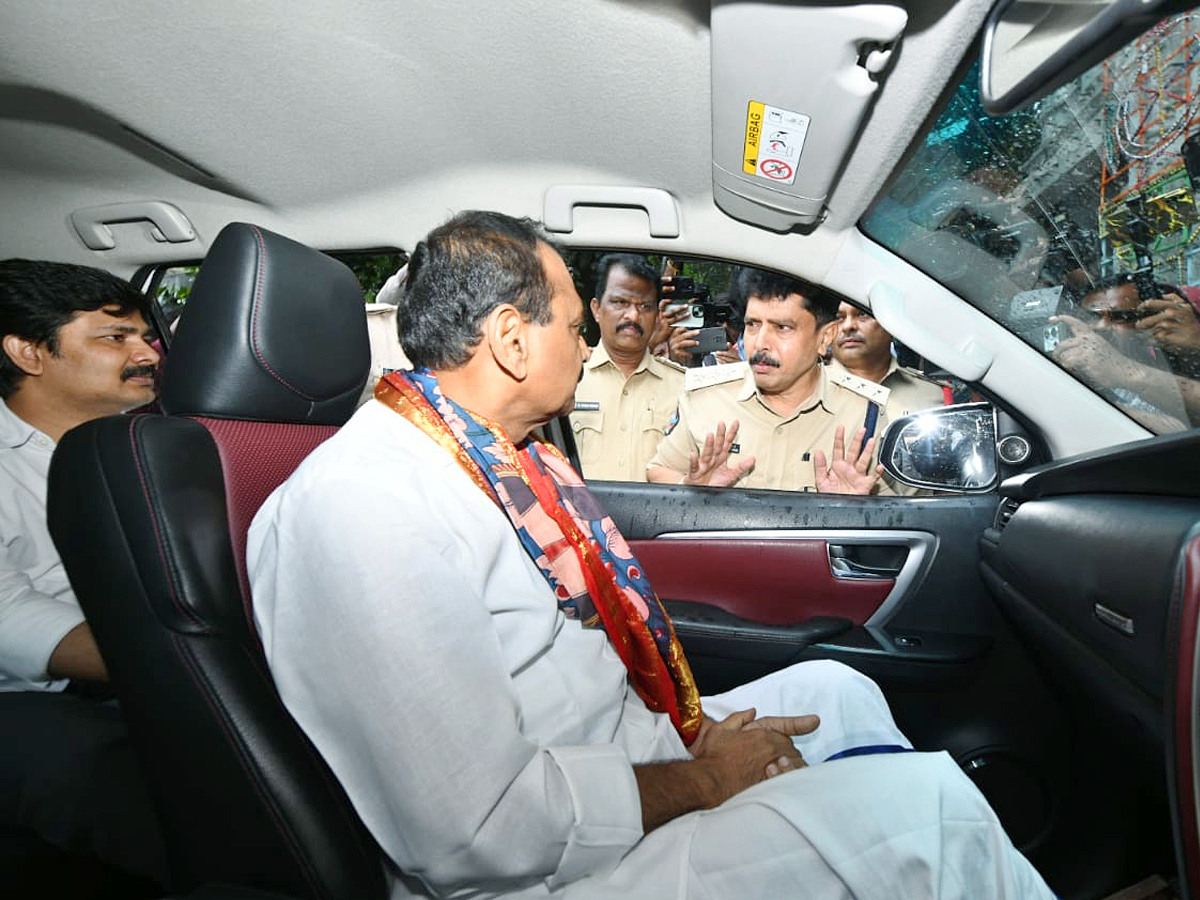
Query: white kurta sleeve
[[390, 661]]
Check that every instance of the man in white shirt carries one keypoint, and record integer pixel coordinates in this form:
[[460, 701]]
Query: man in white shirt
[[468, 641], [75, 347]]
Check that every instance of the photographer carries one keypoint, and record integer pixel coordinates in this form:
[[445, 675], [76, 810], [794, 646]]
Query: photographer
[[728, 311], [626, 396], [1175, 326], [1113, 345]]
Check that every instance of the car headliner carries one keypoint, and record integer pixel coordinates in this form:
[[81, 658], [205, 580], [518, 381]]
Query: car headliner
[[359, 123], [364, 123]]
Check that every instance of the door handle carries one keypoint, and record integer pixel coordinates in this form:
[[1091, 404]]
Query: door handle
[[871, 562]]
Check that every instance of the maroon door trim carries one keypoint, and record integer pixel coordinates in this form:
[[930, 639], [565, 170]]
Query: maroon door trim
[[766, 580]]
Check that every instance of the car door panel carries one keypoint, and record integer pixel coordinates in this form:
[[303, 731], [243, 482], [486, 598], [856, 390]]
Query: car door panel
[[1094, 560], [742, 571], [1183, 715], [927, 630], [775, 578], [671, 527]]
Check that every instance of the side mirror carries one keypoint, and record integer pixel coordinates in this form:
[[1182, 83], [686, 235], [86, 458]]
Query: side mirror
[[947, 448]]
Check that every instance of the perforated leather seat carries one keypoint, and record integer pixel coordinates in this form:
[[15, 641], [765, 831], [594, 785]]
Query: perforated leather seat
[[150, 515]]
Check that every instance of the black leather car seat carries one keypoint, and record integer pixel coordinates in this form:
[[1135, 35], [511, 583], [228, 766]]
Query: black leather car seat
[[150, 515]]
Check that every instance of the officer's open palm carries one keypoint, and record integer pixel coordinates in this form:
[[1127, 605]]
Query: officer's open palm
[[850, 471], [711, 465]]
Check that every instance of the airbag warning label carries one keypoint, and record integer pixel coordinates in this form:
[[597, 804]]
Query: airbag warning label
[[774, 139]]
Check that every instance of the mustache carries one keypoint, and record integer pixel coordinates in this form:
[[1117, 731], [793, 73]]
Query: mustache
[[632, 326], [762, 357], [138, 372]]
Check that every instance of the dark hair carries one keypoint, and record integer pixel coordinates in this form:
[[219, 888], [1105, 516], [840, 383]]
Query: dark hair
[[1119, 278], [37, 298], [822, 303], [631, 263], [461, 272]]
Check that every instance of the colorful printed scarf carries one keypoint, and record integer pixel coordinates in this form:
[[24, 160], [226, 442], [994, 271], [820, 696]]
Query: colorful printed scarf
[[567, 534]]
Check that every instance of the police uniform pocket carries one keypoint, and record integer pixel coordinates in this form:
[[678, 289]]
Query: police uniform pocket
[[588, 426], [653, 426]]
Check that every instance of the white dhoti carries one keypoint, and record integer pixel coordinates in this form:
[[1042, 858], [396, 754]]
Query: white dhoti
[[891, 825], [854, 714]]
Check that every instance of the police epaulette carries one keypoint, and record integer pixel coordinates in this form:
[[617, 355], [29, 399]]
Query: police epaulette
[[920, 376], [868, 389], [671, 364], [706, 376]]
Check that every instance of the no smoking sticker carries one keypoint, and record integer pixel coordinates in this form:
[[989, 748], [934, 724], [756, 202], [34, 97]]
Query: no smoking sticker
[[774, 139], [776, 170]]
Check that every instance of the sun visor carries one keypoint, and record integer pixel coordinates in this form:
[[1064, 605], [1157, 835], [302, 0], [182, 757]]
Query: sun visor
[[790, 88]]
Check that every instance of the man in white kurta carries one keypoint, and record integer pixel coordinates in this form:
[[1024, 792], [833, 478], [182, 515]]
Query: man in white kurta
[[488, 741], [495, 748]]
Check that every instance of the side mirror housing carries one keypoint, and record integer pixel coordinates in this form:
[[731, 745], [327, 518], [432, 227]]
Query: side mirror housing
[[946, 448]]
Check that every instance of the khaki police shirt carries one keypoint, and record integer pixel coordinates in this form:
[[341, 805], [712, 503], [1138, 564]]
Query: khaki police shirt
[[909, 391], [782, 446], [619, 421]]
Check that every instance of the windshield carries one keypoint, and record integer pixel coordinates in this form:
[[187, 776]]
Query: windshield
[[1073, 222]]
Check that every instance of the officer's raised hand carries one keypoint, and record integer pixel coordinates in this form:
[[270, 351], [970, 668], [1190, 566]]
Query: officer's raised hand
[[711, 465], [851, 471]]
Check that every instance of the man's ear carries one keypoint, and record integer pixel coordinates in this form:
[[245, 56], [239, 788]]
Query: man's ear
[[595, 307], [825, 337], [506, 336], [24, 354]]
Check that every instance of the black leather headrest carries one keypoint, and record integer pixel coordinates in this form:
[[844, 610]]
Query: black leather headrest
[[273, 331]]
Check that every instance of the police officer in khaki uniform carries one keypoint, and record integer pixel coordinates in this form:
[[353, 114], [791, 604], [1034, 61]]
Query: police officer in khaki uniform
[[776, 421], [627, 396], [862, 352], [862, 356]]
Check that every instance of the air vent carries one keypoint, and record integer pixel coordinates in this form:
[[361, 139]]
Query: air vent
[[1008, 506]]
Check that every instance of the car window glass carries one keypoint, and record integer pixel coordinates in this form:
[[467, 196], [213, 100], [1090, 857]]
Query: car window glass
[[372, 268], [1073, 222], [650, 392], [174, 288]]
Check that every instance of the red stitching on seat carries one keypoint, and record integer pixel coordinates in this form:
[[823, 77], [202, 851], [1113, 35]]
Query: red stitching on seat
[[255, 305]]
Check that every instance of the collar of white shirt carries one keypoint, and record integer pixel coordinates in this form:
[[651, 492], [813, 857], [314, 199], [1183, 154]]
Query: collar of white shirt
[[15, 431]]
